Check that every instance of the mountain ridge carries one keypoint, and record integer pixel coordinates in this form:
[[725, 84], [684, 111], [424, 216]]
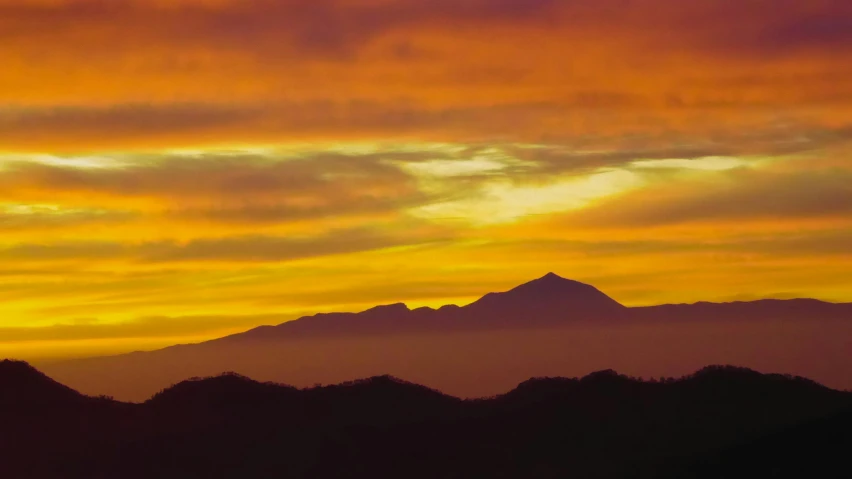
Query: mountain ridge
[[548, 301], [541, 331], [602, 425], [548, 298], [21, 378]]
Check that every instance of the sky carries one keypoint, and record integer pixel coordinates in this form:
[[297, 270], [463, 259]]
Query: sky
[[178, 170]]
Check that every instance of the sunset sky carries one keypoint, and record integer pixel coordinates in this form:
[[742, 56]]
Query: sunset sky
[[178, 170]]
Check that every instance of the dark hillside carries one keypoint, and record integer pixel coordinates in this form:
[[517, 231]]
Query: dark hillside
[[604, 425]]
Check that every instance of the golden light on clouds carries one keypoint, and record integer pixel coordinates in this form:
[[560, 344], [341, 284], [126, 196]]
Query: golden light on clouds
[[167, 167]]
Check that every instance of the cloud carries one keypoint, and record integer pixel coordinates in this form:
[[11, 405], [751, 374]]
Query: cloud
[[19, 218], [824, 26], [230, 249], [508, 201], [229, 192], [729, 197], [221, 187], [791, 245], [139, 126], [277, 249], [340, 28], [126, 119], [272, 71], [323, 25], [582, 124]]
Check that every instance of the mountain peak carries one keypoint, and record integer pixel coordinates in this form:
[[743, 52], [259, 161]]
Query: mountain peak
[[551, 278], [550, 299], [553, 284], [555, 279], [389, 308]]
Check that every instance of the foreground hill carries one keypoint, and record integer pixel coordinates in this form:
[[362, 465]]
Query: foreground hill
[[818, 448], [604, 425]]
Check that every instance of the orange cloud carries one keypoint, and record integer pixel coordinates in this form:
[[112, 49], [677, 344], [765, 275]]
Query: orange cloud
[[203, 158], [143, 73]]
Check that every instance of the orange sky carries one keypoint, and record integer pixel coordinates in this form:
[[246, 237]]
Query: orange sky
[[177, 170]]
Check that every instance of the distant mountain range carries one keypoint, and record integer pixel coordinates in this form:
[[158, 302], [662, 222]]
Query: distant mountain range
[[718, 422], [551, 326], [549, 301]]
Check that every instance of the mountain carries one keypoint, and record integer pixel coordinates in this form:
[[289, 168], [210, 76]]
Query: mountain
[[764, 309], [24, 386], [545, 302], [550, 325], [603, 425]]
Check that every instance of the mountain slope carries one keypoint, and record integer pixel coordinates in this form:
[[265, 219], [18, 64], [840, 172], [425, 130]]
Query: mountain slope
[[23, 386], [764, 309], [547, 301], [604, 425]]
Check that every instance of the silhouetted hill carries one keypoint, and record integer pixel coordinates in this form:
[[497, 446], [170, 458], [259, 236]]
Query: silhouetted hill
[[372, 400], [40, 416], [819, 448], [23, 386], [227, 391], [604, 425]]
